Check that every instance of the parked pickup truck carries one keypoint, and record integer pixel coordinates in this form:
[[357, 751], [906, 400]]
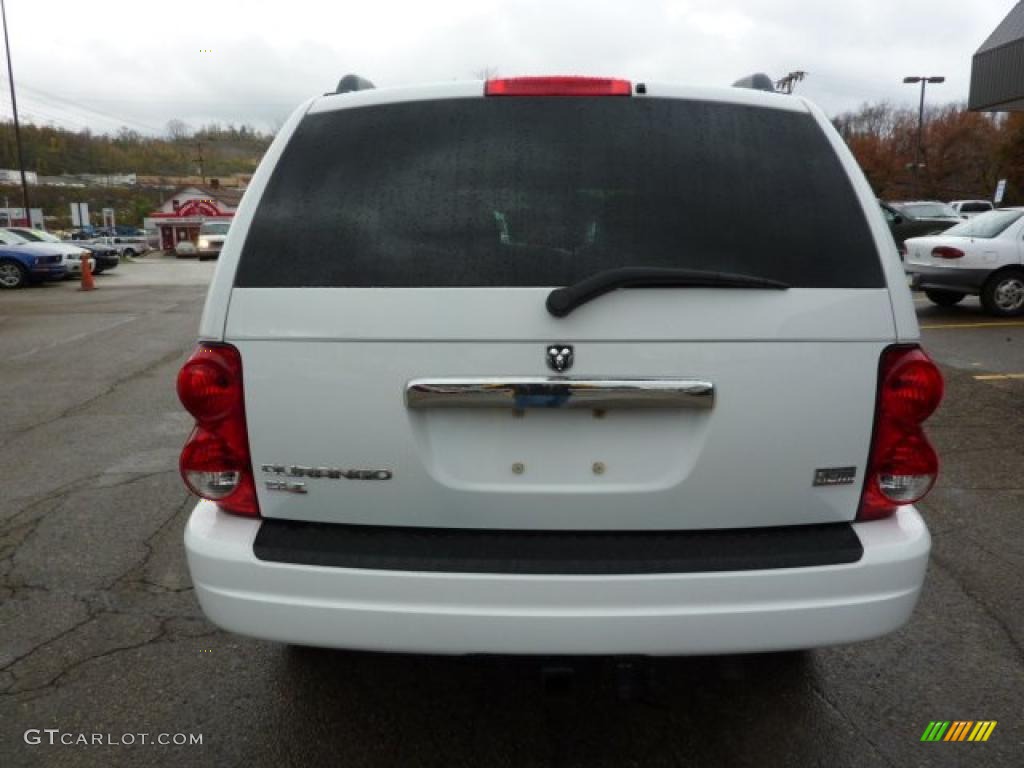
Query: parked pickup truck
[[125, 245], [527, 387], [212, 235]]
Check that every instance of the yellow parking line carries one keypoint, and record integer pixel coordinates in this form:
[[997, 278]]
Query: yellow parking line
[[999, 376], [1005, 324]]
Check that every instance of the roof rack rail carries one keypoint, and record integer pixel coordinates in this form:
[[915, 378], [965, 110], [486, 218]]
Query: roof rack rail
[[350, 83], [758, 82]]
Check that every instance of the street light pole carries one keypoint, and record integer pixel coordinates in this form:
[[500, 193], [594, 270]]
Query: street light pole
[[14, 111], [923, 80]]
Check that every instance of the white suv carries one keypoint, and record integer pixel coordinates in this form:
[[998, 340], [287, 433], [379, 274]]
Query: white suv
[[437, 424], [967, 209]]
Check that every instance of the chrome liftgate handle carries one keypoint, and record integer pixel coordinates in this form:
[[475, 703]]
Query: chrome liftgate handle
[[519, 393]]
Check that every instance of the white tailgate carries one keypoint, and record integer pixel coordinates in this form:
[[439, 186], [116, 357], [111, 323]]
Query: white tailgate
[[794, 374]]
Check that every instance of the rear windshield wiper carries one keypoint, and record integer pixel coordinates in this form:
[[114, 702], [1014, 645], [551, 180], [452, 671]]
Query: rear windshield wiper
[[562, 301]]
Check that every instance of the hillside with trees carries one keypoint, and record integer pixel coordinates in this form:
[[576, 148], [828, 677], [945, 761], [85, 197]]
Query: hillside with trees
[[53, 151]]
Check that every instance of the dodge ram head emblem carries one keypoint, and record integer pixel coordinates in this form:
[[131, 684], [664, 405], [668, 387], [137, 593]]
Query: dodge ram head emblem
[[560, 357]]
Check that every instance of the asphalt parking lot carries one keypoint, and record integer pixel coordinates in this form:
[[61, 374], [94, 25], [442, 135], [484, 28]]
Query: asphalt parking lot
[[100, 633]]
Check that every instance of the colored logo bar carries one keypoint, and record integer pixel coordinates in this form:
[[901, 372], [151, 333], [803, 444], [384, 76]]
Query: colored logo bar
[[958, 730]]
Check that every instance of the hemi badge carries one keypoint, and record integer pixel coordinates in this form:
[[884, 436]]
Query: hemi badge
[[835, 475]]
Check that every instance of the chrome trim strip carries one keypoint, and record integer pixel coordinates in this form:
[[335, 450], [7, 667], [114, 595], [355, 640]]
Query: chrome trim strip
[[520, 393]]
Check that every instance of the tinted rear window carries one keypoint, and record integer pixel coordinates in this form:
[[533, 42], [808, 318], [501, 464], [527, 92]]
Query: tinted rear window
[[547, 191], [929, 210]]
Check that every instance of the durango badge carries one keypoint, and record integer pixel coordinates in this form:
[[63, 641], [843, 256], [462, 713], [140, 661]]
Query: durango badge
[[331, 473]]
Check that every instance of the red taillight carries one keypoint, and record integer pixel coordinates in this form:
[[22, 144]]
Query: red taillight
[[902, 465], [557, 86], [215, 462], [947, 252]]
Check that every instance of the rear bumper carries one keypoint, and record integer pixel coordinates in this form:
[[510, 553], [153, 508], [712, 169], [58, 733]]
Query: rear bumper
[[924, 278], [459, 613]]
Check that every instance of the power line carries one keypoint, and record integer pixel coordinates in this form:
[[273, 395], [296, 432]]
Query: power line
[[44, 111], [47, 108], [38, 116], [118, 119]]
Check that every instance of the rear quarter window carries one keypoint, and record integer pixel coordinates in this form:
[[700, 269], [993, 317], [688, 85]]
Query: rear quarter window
[[546, 191], [975, 207]]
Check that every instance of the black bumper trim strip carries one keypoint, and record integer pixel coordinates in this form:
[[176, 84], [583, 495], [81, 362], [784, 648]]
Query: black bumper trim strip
[[459, 550]]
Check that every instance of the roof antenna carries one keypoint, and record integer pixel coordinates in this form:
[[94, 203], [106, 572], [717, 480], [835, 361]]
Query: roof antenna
[[758, 82], [350, 83], [788, 83]]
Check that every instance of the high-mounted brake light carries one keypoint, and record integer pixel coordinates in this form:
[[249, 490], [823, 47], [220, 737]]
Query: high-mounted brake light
[[902, 465], [947, 252], [557, 86], [215, 462]]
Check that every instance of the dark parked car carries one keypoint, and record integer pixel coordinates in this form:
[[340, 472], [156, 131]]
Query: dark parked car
[[904, 224], [19, 266], [103, 256]]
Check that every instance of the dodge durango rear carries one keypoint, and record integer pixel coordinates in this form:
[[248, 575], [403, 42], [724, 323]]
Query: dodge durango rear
[[562, 365]]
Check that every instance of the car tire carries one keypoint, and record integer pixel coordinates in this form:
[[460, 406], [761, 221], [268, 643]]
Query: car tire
[[12, 275], [945, 298], [1003, 293], [128, 253]]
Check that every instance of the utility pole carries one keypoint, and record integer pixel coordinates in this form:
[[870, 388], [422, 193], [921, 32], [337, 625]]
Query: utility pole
[[918, 156], [14, 111], [199, 159]]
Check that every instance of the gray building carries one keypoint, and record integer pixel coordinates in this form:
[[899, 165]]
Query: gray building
[[997, 69]]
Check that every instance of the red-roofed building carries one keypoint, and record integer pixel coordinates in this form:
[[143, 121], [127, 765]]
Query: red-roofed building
[[181, 215]]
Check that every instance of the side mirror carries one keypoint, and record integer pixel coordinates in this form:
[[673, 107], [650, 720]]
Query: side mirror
[[897, 219]]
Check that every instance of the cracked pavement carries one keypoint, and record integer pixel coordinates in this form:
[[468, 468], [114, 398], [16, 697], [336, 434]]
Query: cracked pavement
[[100, 631]]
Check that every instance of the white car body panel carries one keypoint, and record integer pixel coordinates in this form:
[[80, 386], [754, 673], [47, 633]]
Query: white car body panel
[[73, 262], [396, 314], [684, 469], [905, 317]]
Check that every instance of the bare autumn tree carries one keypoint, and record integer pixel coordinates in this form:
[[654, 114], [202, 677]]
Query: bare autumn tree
[[961, 153], [1010, 155], [880, 137], [964, 152], [178, 130]]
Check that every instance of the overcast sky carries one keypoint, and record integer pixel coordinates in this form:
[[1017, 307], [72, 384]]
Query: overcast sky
[[107, 63]]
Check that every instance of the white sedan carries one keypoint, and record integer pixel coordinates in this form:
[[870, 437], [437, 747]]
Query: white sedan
[[185, 248], [983, 256]]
